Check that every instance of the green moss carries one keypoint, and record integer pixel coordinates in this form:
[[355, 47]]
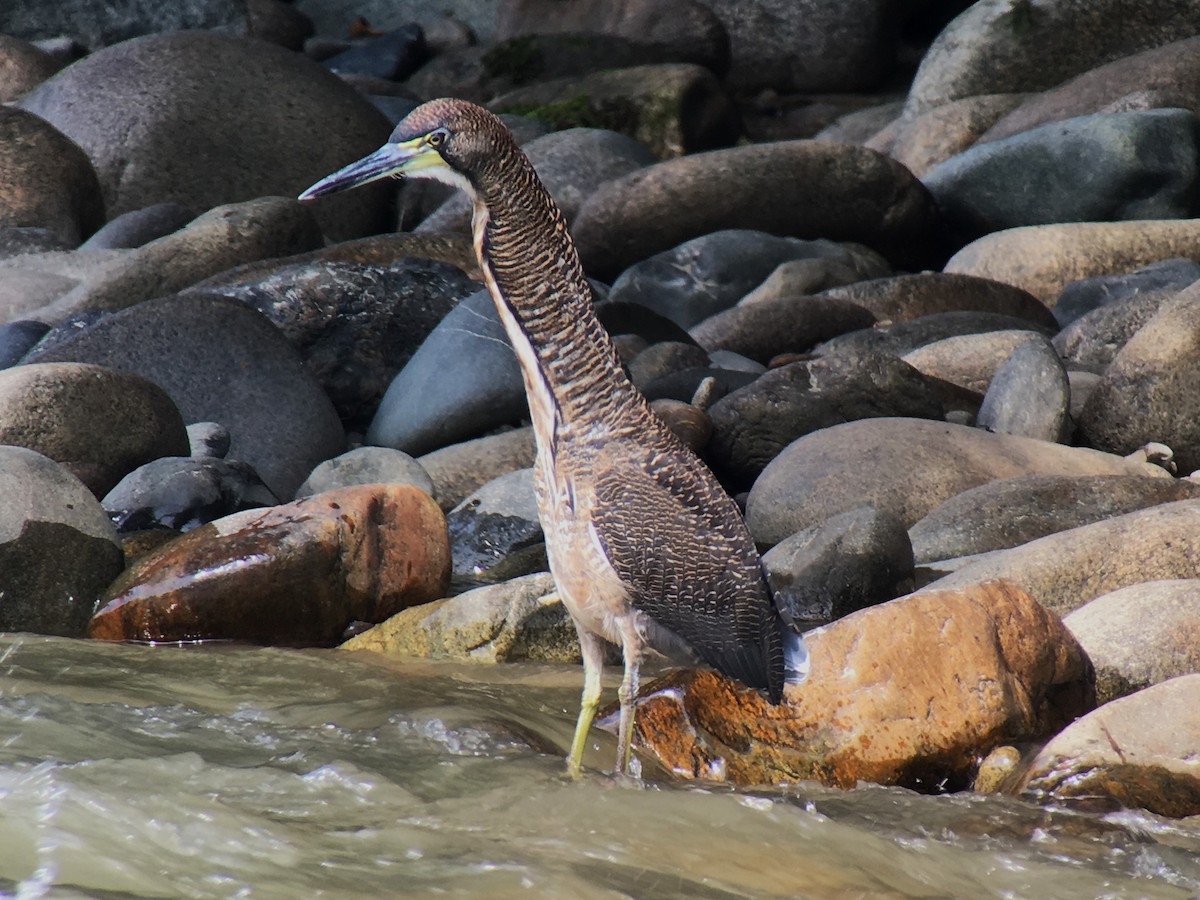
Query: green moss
[[519, 59], [575, 111]]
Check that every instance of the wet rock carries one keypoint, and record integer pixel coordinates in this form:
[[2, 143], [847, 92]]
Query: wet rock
[[1137, 752], [95, 23], [679, 30], [622, 318], [221, 362], [193, 117], [1163, 76], [139, 227], [58, 550], [664, 358], [765, 329], [838, 469], [356, 324], [1029, 395], [967, 360], [209, 440], [912, 692], [1042, 259], [1065, 570], [181, 493], [689, 423], [851, 561], [366, 465], [751, 426], [296, 574], [23, 66], [495, 534], [18, 338], [429, 405], [393, 55], [1082, 297], [46, 179], [818, 189], [1144, 394], [807, 47], [460, 469], [903, 337], [1095, 338], [521, 619], [995, 46], [222, 237], [941, 132], [1139, 635], [709, 274], [571, 165], [1012, 511], [1118, 166], [672, 108], [903, 297], [98, 423]]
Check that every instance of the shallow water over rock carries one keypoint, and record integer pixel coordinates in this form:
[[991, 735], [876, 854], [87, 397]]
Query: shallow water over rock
[[219, 770]]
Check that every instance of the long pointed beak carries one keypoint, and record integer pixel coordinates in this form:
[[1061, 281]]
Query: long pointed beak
[[388, 160]]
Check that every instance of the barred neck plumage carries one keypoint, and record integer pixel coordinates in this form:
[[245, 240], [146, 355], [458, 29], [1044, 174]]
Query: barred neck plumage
[[533, 271]]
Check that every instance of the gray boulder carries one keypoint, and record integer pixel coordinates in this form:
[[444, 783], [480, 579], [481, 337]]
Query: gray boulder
[[58, 549], [366, 465], [1127, 165], [1029, 395], [195, 118], [495, 534], [223, 362], [1012, 511]]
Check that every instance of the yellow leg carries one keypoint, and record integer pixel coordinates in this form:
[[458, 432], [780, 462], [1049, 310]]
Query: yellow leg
[[631, 647], [593, 667]]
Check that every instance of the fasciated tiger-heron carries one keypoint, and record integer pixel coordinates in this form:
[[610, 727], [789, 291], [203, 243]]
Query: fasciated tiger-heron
[[646, 548]]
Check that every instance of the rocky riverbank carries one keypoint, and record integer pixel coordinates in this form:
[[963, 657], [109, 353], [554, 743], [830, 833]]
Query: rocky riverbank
[[922, 289]]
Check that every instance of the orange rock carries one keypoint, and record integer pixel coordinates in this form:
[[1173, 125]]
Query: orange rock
[[912, 692], [295, 574]]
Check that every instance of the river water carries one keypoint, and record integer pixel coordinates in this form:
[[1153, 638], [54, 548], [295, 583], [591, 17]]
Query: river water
[[222, 771]]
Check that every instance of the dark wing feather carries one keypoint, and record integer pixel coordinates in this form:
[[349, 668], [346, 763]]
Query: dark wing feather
[[679, 544]]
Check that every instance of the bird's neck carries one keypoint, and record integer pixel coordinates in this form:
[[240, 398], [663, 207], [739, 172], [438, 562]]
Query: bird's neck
[[573, 375]]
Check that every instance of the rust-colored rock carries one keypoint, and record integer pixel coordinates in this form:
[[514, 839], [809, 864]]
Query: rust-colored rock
[[296, 574], [913, 692], [1139, 751]]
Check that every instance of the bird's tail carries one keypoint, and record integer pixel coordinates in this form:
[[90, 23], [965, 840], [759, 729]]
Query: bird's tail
[[795, 655]]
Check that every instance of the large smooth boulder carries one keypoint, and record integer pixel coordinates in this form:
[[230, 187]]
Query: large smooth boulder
[[298, 574], [905, 466], [58, 549], [912, 692], [1139, 751], [1062, 571], [46, 180], [1140, 635], [805, 189], [1008, 512], [221, 361], [196, 118], [1043, 259], [1165, 76], [1109, 167], [98, 423], [1146, 392], [1000, 46]]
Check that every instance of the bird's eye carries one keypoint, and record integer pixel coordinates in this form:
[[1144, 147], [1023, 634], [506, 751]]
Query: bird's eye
[[437, 138]]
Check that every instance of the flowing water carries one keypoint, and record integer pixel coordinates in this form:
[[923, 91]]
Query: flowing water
[[221, 771]]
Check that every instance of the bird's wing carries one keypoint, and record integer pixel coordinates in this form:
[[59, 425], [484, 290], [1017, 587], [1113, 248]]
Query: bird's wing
[[678, 543]]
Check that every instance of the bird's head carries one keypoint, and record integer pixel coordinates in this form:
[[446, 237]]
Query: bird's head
[[451, 141]]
